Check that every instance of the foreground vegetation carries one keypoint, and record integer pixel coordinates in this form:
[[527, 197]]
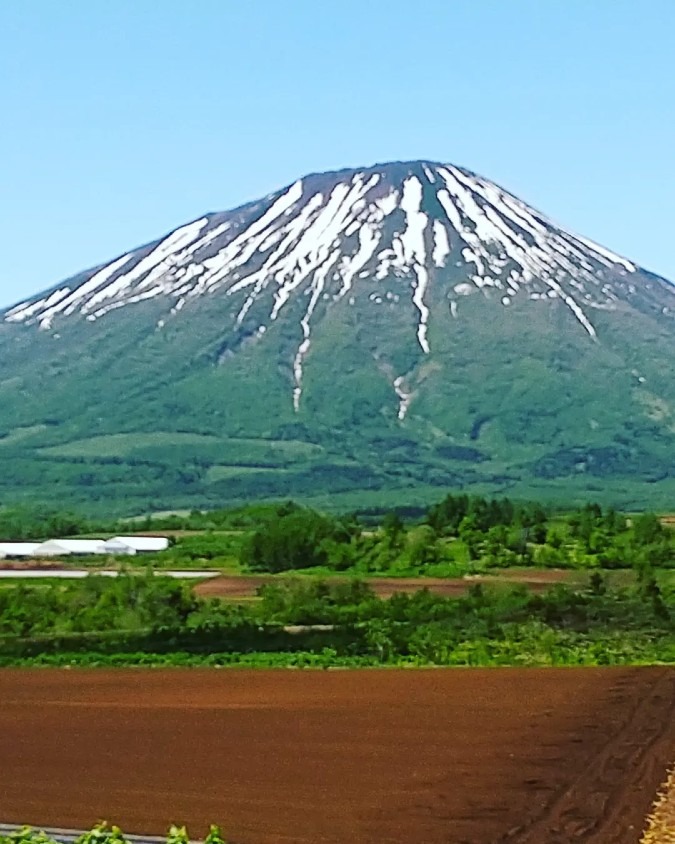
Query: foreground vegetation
[[154, 620], [104, 833]]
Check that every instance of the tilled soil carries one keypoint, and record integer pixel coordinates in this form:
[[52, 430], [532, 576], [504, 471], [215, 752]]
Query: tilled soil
[[459, 756], [233, 587]]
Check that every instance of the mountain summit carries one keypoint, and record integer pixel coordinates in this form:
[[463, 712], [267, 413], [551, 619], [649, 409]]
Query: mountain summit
[[403, 325]]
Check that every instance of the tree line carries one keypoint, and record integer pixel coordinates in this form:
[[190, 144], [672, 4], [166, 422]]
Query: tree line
[[459, 533]]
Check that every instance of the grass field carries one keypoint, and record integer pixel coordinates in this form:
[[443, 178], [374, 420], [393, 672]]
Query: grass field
[[122, 445], [19, 434], [220, 472]]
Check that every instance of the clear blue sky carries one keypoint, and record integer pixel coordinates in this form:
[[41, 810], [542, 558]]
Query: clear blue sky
[[121, 119]]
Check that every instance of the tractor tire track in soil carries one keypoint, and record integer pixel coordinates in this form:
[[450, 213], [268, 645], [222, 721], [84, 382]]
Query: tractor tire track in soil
[[600, 806], [439, 756]]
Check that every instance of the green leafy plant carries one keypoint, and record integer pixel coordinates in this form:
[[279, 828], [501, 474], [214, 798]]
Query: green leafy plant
[[104, 833]]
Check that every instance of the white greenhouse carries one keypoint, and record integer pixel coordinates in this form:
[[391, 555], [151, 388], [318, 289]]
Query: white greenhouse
[[18, 549], [140, 543], [66, 547]]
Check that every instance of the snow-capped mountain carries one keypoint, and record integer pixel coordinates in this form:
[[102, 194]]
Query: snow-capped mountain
[[410, 288], [328, 235]]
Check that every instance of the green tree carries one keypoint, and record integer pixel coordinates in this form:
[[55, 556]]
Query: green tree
[[393, 529], [647, 529], [423, 547], [294, 540]]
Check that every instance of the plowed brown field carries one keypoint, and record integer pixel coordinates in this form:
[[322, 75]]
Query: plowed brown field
[[459, 756], [233, 587]]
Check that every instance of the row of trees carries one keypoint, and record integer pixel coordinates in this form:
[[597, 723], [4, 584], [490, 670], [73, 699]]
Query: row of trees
[[460, 531], [454, 511], [96, 603], [19, 523]]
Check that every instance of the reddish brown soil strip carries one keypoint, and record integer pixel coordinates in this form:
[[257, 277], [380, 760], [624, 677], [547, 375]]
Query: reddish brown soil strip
[[246, 586], [460, 756], [29, 563]]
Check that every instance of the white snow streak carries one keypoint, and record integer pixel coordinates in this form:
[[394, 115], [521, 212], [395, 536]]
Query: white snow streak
[[404, 397], [429, 174], [414, 253], [441, 244], [418, 299], [369, 238], [24, 311], [491, 229], [617, 259], [412, 239], [69, 304], [159, 256], [388, 204], [317, 289]]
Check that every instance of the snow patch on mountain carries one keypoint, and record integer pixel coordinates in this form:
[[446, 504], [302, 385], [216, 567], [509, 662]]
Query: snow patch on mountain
[[404, 397], [413, 251]]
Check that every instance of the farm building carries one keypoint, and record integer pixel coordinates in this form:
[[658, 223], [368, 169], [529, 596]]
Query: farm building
[[17, 549], [84, 547], [116, 546], [140, 543], [64, 547]]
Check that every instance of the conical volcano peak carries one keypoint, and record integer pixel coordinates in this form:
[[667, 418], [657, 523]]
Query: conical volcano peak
[[389, 218], [409, 324], [393, 231]]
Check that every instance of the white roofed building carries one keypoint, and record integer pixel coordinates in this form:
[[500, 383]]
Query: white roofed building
[[65, 547], [18, 549], [140, 543], [116, 546], [129, 545]]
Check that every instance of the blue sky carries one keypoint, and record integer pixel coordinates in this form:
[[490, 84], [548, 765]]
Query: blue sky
[[122, 120]]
